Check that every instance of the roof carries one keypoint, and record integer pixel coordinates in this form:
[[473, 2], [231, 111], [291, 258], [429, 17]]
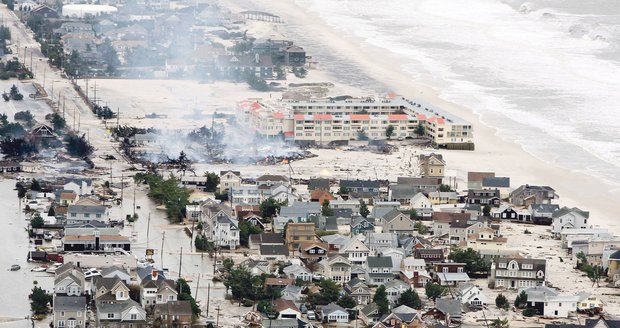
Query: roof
[[403, 191], [392, 214], [452, 276], [566, 210], [282, 304], [278, 282], [360, 184], [91, 209], [173, 308], [496, 182], [449, 306], [449, 216], [379, 262], [331, 308], [479, 176], [274, 250], [107, 283], [69, 303], [318, 184], [272, 177], [545, 208], [270, 238], [410, 261], [615, 255]]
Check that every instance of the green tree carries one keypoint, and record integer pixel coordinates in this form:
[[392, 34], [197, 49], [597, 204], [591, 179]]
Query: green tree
[[270, 207], [346, 301], [502, 302], [413, 214], [78, 146], [329, 290], [380, 298], [389, 131], [474, 263], [343, 191], [37, 221], [445, 188], [35, 186], [521, 300], [58, 122], [325, 209], [420, 130], [486, 210], [213, 180], [21, 191], [364, 209], [228, 264], [433, 291], [500, 323], [300, 72], [39, 300], [410, 298], [420, 228], [245, 230]]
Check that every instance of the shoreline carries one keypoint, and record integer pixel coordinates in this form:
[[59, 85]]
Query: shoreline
[[493, 151]]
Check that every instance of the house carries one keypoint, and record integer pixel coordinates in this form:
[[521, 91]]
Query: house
[[336, 268], [10, 166], [400, 317], [402, 194], [296, 271], [143, 139], [313, 250], [471, 295], [244, 195], [195, 182], [527, 195], [498, 183], [443, 197], [294, 56], [450, 273], [430, 255], [517, 273], [318, 183], [265, 238], [110, 289], [397, 254], [359, 291], [173, 314], [300, 211], [271, 180], [86, 209], [587, 301], [361, 225], [320, 196], [292, 292], [279, 283], [80, 187], [229, 179], [94, 240], [443, 223], [413, 271], [286, 309], [484, 197], [377, 241], [332, 312], [256, 267], [568, 218], [225, 231], [274, 252], [474, 179], [601, 322], [236, 66], [296, 233], [424, 185], [507, 212], [447, 310], [361, 188], [422, 205], [432, 166], [486, 239], [157, 291], [394, 288], [123, 314], [379, 270], [69, 311], [549, 303], [69, 281], [355, 251], [369, 314], [396, 222], [543, 213], [115, 271]]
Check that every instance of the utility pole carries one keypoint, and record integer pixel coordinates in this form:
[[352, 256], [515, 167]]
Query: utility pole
[[180, 262], [64, 102], [163, 235], [95, 99], [122, 187], [197, 286], [118, 115], [191, 239], [148, 229], [208, 297], [217, 321], [134, 199]]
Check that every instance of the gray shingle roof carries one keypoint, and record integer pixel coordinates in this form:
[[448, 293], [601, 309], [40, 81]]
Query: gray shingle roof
[[496, 182], [379, 262], [274, 250], [81, 209], [69, 303], [565, 210]]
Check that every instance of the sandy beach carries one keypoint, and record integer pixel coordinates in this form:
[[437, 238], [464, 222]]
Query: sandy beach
[[505, 157]]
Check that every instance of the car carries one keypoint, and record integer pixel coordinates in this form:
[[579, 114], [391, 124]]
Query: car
[[311, 315], [92, 272], [47, 236]]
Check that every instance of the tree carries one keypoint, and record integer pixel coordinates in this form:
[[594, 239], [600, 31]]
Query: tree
[[361, 135], [325, 209], [420, 130], [51, 212], [270, 207], [16, 147], [389, 131], [346, 301], [500, 323], [39, 300], [521, 300], [58, 122], [410, 298], [413, 214], [21, 191], [35, 186], [380, 298], [15, 94], [343, 190], [420, 228], [474, 262], [245, 230], [37, 221], [445, 188], [502, 302], [228, 264], [25, 116], [433, 290], [329, 290], [364, 209], [183, 287], [78, 145], [212, 181], [300, 72], [486, 210]]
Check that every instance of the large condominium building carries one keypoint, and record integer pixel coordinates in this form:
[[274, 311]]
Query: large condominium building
[[326, 120]]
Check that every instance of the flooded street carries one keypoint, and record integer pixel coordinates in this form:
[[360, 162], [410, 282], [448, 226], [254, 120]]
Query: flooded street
[[16, 285]]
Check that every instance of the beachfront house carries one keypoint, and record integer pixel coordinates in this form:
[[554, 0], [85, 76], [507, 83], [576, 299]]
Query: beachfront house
[[516, 273], [543, 213], [432, 166], [527, 195], [497, 183], [229, 179], [549, 303], [484, 197], [568, 218]]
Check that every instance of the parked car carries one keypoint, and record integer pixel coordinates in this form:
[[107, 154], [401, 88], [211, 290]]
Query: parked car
[[92, 272], [311, 315]]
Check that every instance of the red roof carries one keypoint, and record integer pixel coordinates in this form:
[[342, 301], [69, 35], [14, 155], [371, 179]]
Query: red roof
[[360, 117], [437, 120], [278, 115], [422, 117], [391, 95], [289, 133], [299, 116], [255, 105], [398, 117], [322, 117]]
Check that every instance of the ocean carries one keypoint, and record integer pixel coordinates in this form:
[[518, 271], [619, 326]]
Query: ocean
[[544, 73]]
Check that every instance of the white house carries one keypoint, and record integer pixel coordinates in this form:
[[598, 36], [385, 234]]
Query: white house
[[568, 218], [244, 195], [286, 309], [157, 291], [422, 205], [297, 271], [472, 295], [225, 232], [356, 251], [80, 187], [551, 304], [334, 313], [396, 254], [394, 289]]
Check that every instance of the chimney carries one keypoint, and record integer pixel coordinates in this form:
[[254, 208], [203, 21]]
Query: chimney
[[257, 58], [154, 274]]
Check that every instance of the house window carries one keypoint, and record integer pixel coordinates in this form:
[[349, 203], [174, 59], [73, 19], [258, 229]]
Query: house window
[[110, 315], [61, 323], [134, 316]]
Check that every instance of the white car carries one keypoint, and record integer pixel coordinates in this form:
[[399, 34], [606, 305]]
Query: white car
[[89, 273]]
